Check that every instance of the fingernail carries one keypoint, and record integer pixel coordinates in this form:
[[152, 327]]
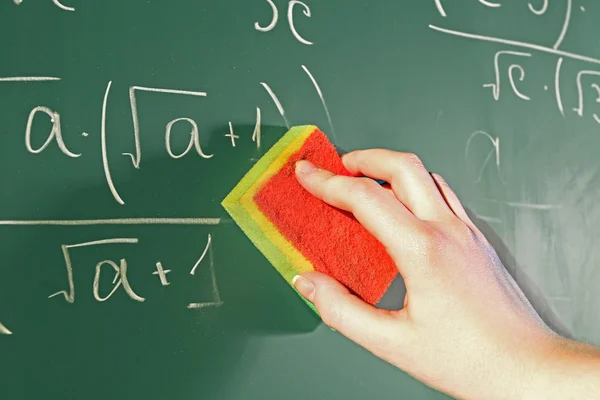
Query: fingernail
[[305, 167], [304, 286]]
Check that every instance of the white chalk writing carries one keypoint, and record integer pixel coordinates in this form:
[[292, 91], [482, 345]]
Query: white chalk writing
[[216, 301], [306, 11], [440, 8], [232, 135], [62, 6], [4, 330], [579, 108], [120, 279], [496, 86], [320, 93], [208, 243], [162, 274], [105, 165], [542, 10], [55, 133], [29, 79], [97, 280], [490, 4], [56, 3], [565, 27], [273, 20], [494, 152], [194, 139], [70, 294], [290, 17], [277, 103], [137, 158], [557, 86], [516, 43], [516, 72], [256, 135]]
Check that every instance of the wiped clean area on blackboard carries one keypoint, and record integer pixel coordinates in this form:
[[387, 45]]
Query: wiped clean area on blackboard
[[123, 126]]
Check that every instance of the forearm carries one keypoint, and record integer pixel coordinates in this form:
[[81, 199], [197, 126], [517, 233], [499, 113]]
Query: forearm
[[571, 371]]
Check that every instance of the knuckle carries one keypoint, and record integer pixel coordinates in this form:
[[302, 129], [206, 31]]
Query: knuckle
[[412, 160], [362, 189], [362, 158], [463, 231], [459, 233], [325, 184], [408, 164], [430, 241], [331, 316]]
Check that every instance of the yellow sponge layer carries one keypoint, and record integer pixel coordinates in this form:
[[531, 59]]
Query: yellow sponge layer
[[300, 263], [240, 204]]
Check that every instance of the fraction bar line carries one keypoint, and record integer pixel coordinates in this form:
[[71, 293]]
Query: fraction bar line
[[29, 79], [115, 221], [531, 46], [172, 91]]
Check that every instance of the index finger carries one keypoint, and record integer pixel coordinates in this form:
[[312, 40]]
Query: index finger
[[376, 208], [409, 179]]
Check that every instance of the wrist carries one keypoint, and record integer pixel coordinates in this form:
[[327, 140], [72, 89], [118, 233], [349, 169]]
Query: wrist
[[564, 371], [544, 365]]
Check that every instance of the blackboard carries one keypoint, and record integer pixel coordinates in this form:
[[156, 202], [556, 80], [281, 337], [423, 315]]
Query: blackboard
[[124, 124]]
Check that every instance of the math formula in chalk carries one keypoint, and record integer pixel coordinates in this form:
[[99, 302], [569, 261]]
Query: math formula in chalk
[[292, 5], [119, 268], [57, 136], [512, 65], [116, 274]]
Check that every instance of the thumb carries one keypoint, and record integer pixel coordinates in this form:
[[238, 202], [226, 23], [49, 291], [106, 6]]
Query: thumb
[[360, 322]]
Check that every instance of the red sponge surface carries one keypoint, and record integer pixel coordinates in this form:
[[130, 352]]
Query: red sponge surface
[[332, 240]]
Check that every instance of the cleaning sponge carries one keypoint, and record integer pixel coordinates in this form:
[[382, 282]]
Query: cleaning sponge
[[298, 232]]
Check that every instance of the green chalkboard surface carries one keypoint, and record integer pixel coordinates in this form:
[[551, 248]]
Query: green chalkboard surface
[[123, 125]]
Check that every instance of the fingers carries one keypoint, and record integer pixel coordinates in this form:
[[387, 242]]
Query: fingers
[[362, 323], [410, 181], [376, 208], [452, 200]]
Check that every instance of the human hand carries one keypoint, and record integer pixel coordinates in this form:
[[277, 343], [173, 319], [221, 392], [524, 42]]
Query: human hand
[[466, 328]]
